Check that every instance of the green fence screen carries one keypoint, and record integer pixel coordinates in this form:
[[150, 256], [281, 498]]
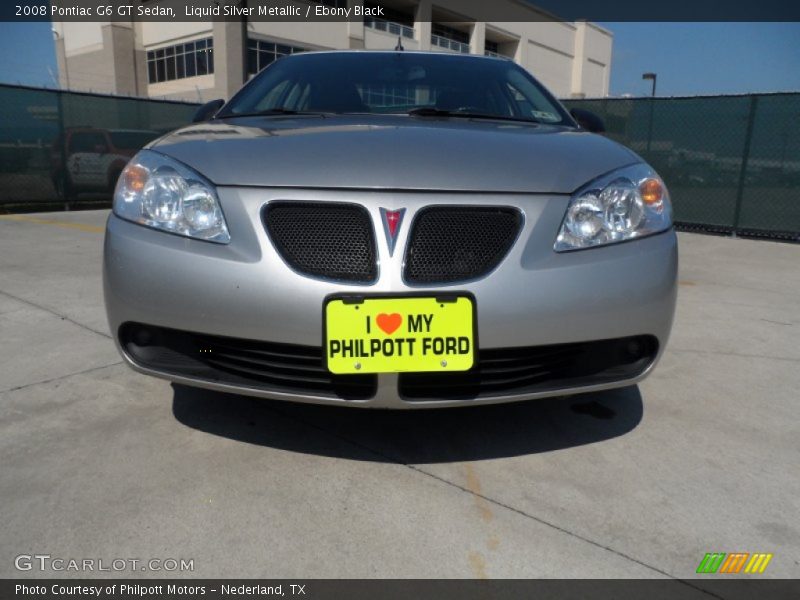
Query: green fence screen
[[60, 148], [732, 163]]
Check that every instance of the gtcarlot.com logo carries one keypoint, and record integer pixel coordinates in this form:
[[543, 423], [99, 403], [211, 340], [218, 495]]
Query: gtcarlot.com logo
[[734, 562], [46, 562]]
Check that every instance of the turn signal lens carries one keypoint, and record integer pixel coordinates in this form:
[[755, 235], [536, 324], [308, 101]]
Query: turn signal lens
[[135, 177], [651, 191]]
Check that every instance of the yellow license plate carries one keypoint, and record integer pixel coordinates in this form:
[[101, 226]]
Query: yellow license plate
[[399, 334]]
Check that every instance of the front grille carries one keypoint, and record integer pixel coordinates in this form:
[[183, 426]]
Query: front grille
[[510, 371], [458, 243], [264, 365], [324, 239]]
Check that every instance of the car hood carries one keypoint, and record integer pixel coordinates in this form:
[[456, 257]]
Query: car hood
[[394, 152]]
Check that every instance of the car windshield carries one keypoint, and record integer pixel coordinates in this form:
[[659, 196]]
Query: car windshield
[[397, 83]]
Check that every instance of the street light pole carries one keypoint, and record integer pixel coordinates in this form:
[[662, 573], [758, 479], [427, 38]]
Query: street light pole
[[652, 76]]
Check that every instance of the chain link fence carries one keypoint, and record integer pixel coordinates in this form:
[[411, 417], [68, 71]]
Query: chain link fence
[[64, 149], [732, 163]]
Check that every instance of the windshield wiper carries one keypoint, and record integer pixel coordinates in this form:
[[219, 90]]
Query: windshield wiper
[[274, 111], [429, 111]]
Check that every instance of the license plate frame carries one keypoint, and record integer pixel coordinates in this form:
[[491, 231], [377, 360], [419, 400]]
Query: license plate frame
[[439, 363]]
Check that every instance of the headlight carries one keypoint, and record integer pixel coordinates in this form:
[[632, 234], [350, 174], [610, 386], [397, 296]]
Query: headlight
[[629, 203], [159, 192]]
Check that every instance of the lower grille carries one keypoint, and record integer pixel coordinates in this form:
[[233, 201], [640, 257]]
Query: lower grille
[[510, 371], [263, 365], [324, 239], [458, 243]]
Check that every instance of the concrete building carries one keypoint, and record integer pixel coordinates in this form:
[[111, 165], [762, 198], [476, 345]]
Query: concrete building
[[200, 61]]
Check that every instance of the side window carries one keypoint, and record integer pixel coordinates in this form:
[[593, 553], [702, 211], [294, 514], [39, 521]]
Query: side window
[[87, 142], [80, 142], [95, 141]]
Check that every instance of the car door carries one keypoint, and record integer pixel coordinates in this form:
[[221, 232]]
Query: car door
[[85, 160]]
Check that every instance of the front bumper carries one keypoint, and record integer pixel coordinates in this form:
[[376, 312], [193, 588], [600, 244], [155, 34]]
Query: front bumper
[[244, 290]]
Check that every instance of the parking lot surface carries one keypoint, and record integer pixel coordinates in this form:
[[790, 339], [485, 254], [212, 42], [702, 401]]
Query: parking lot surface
[[101, 462]]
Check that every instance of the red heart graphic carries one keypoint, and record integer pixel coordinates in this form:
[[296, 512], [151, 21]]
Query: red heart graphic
[[389, 323]]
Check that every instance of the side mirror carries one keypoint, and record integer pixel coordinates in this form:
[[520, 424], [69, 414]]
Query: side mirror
[[207, 110], [588, 120], [100, 149]]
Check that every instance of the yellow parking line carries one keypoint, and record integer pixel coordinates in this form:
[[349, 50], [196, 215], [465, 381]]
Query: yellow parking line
[[67, 224]]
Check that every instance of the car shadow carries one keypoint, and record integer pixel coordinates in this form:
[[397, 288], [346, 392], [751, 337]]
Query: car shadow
[[416, 436]]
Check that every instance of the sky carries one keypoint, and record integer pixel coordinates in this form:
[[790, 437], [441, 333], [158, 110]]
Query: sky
[[689, 58], [28, 51], [705, 58]]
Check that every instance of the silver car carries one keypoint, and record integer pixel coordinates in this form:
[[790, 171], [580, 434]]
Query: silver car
[[393, 230]]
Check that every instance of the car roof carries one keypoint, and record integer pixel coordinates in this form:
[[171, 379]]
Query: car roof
[[449, 55]]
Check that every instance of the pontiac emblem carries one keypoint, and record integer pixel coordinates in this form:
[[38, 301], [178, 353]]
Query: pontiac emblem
[[392, 219]]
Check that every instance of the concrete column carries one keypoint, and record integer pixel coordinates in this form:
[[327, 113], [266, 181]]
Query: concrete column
[[61, 59], [477, 38], [607, 78], [140, 60], [230, 43], [578, 61], [521, 54], [355, 29], [95, 71], [126, 70], [422, 24]]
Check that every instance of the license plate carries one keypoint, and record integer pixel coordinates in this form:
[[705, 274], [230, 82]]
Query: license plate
[[399, 334]]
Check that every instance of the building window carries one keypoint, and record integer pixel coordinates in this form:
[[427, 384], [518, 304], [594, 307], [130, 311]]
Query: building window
[[261, 54], [492, 48], [450, 38], [381, 97], [181, 61]]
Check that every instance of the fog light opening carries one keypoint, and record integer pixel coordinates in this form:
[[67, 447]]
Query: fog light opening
[[143, 336], [634, 350]]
